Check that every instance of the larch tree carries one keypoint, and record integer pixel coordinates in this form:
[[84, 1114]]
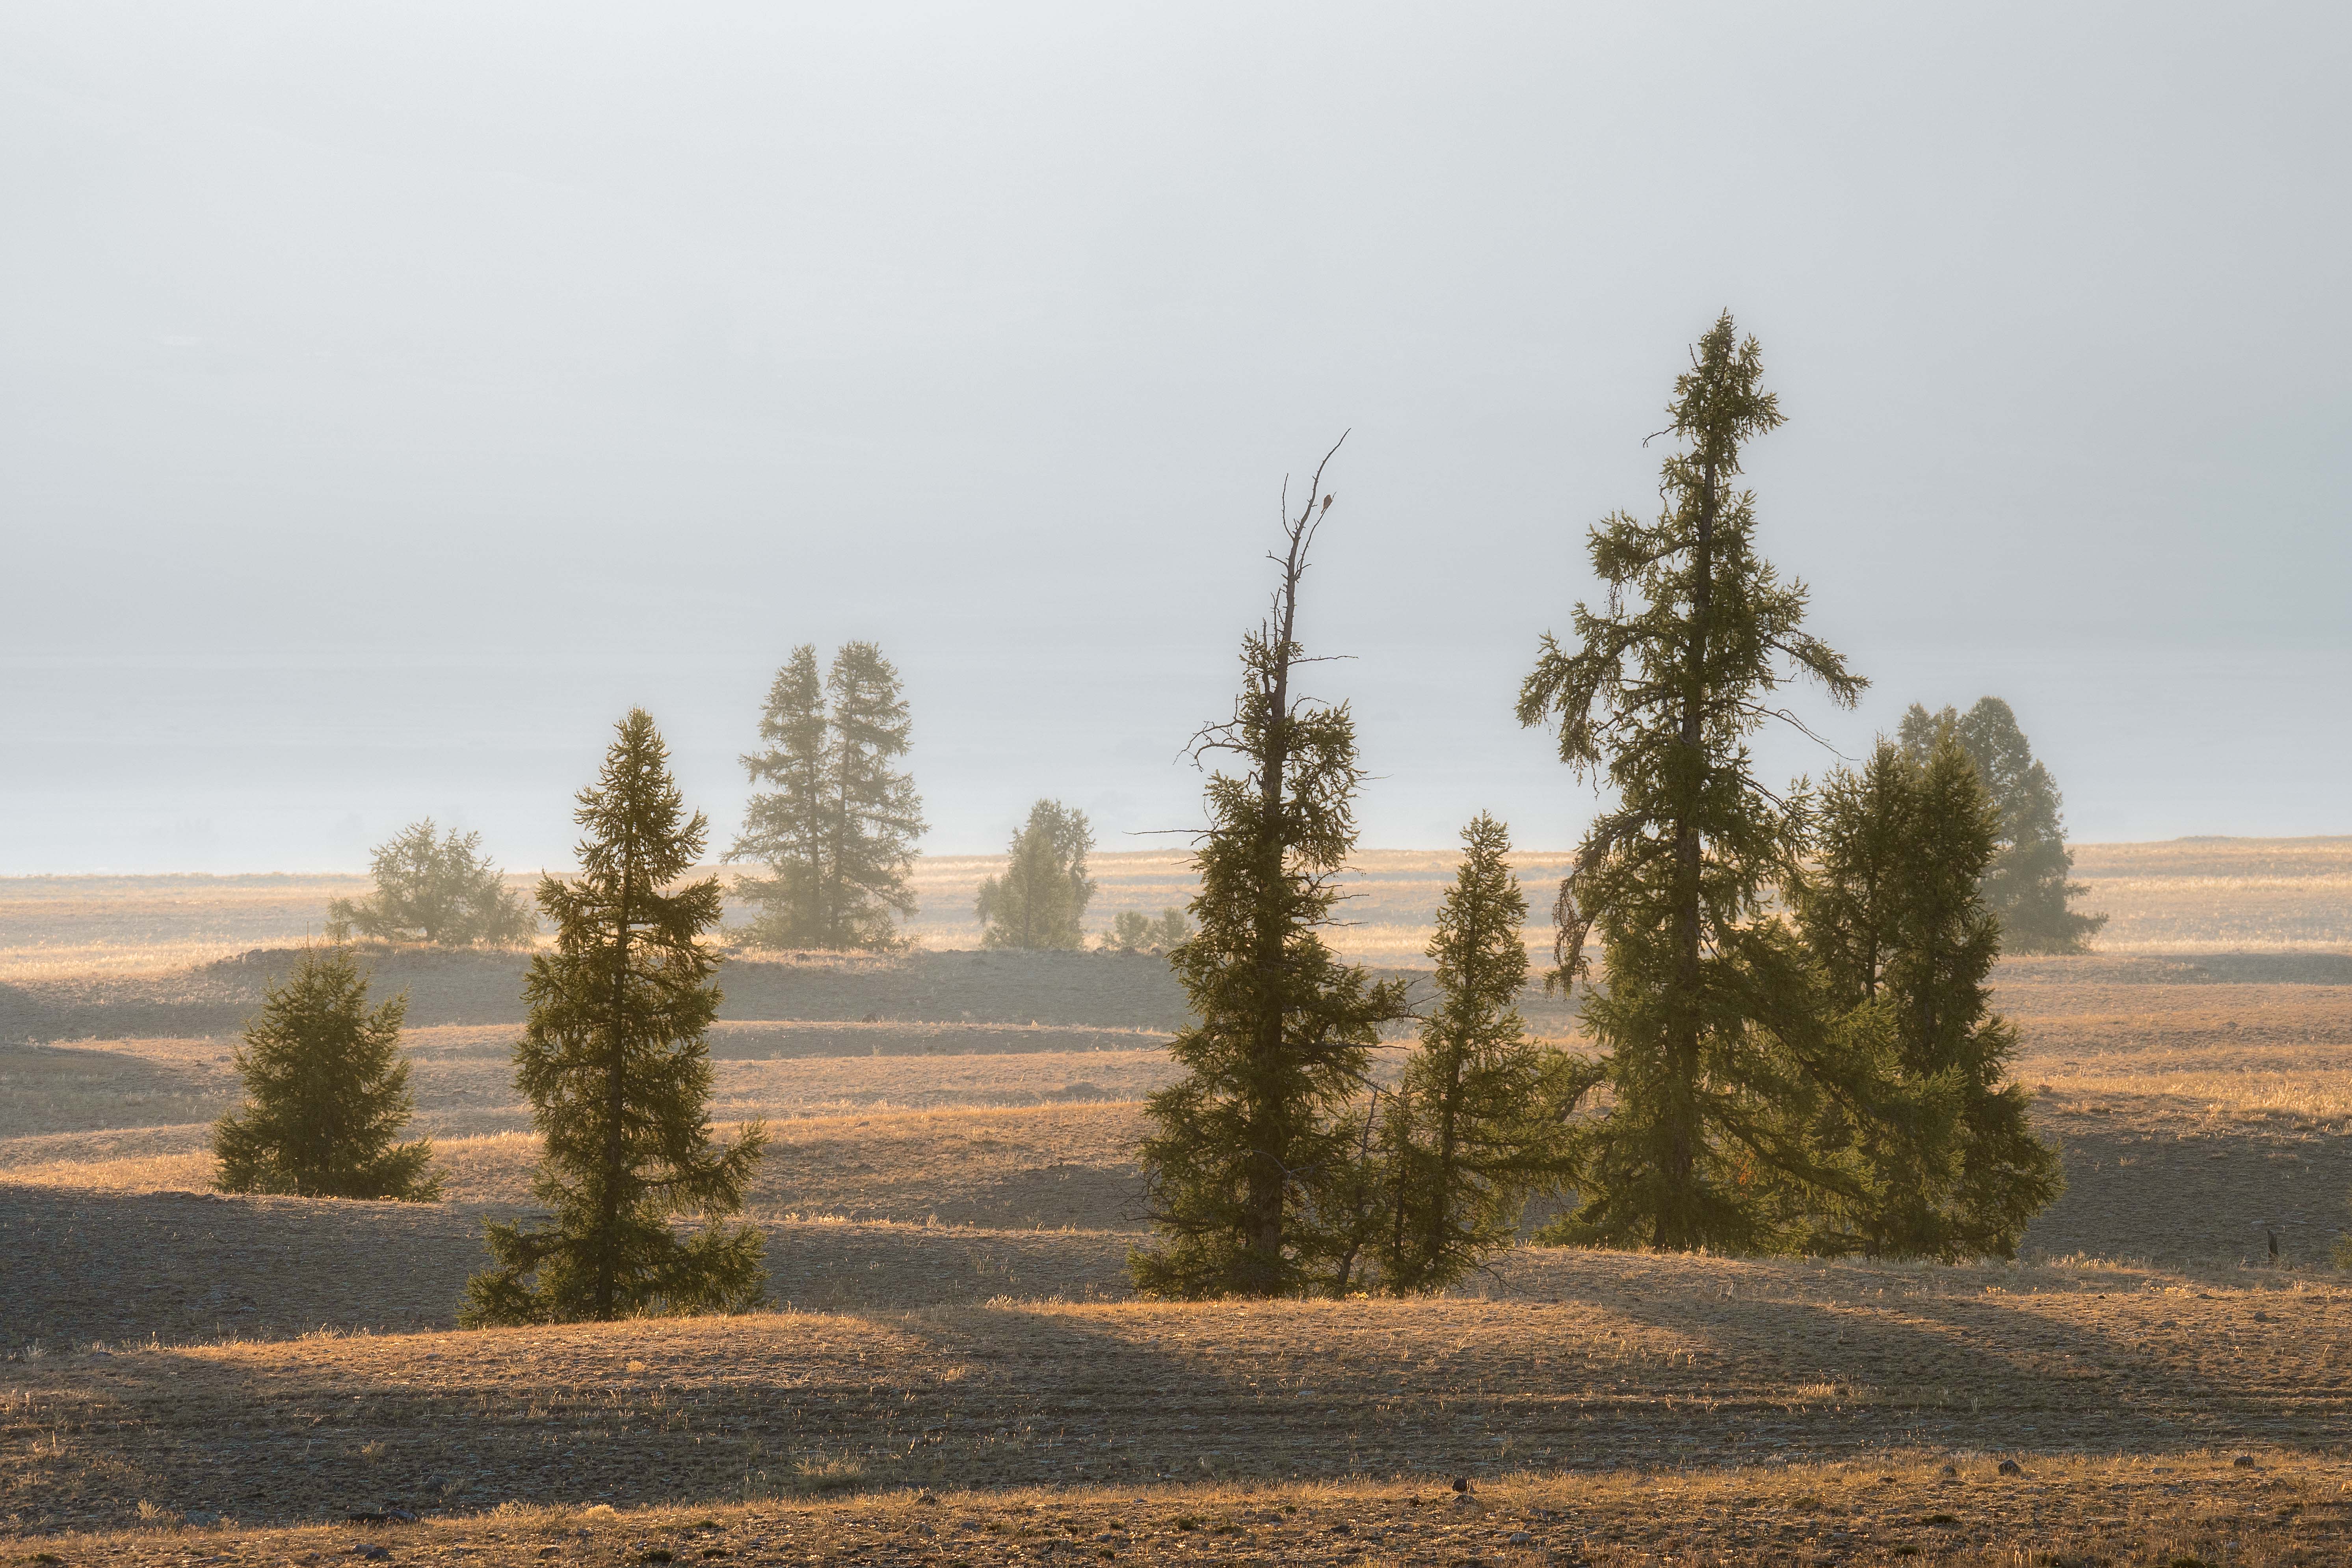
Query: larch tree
[[787, 827], [1252, 1159], [1473, 1126], [1707, 1016], [838, 833], [2026, 883], [326, 1094], [1894, 910], [1041, 900], [614, 1064], [434, 888], [876, 818]]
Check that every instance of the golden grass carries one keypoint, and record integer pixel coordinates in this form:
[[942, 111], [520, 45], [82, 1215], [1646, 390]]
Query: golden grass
[[2190, 895], [170, 1159], [2221, 895], [56, 926], [2232, 1050], [1393, 895]]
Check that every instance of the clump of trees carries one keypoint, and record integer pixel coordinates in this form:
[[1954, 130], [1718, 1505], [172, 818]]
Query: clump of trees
[[1905, 942], [1275, 1166], [618, 1075], [1253, 1162], [2026, 884], [1132, 931], [1041, 900], [1830, 1083], [434, 887], [838, 832], [326, 1094]]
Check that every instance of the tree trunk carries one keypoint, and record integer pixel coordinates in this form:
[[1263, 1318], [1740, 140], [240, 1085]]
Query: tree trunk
[[1441, 1206], [1678, 1217], [615, 1094], [1269, 1170]]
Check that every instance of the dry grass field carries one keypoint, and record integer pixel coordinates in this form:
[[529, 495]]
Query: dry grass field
[[949, 1200], [53, 927], [2181, 896], [2221, 895]]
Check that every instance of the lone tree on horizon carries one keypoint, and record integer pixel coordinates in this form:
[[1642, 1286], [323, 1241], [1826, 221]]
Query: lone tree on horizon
[[1252, 1157], [441, 890], [2025, 883], [618, 1076], [325, 1093], [1041, 900], [1706, 1017], [839, 833]]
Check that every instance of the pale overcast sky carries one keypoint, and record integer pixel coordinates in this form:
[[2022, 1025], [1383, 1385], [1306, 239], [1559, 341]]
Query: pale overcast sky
[[391, 396]]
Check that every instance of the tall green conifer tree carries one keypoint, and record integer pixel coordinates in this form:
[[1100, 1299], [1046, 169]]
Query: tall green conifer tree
[[1252, 1160], [1706, 1016], [1893, 911], [787, 826], [876, 818], [619, 1078], [1474, 1125]]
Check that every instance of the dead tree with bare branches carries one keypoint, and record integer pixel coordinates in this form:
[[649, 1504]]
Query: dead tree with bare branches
[[1252, 1153]]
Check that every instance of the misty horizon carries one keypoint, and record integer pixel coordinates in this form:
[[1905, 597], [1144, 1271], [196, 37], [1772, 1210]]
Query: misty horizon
[[396, 402]]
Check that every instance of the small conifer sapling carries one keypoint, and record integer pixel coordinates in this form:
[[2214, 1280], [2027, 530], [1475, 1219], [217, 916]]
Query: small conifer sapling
[[1473, 1126], [326, 1094]]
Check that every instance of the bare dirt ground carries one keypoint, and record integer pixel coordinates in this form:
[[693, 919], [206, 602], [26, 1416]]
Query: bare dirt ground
[[1594, 1362], [1903, 1507]]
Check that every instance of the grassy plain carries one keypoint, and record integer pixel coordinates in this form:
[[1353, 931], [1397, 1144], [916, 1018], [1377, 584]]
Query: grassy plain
[[948, 1203]]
